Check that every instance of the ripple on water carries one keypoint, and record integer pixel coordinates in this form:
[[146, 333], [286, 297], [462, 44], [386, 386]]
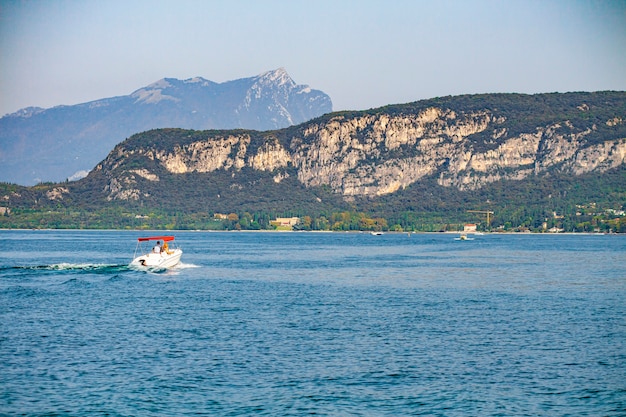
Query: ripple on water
[[261, 324]]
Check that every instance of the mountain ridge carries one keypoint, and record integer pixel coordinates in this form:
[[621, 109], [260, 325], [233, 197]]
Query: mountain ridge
[[57, 143]]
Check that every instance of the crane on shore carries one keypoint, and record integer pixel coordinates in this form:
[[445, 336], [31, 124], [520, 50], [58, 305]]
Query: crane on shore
[[488, 213]]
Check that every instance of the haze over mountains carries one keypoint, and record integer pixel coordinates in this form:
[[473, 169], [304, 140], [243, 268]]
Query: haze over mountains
[[65, 142]]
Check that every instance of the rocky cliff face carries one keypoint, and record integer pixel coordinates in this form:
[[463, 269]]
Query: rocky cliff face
[[379, 152]]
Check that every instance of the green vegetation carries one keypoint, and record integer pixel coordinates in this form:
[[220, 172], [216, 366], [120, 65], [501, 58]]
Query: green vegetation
[[589, 203], [589, 218]]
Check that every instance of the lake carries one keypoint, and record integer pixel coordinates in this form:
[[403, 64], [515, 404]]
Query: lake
[[331, 324]]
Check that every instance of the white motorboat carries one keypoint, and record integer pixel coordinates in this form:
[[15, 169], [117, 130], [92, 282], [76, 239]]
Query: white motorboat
[[160, 256]]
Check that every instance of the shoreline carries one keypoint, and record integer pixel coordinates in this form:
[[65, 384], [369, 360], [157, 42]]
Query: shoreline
[[150, 231]]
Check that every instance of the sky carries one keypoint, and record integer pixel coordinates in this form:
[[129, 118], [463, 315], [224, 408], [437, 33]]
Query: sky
[[362, 53]]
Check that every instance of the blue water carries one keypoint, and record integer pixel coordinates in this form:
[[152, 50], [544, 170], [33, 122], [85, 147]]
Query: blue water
[[331, 324]]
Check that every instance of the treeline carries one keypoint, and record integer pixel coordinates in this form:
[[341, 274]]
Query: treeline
[[119, 218], [589, 218]]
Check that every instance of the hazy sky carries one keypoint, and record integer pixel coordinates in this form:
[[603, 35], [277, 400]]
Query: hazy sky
[[362, 53]]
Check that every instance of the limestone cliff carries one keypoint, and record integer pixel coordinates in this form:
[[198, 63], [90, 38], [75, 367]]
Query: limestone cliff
[[374, 153]]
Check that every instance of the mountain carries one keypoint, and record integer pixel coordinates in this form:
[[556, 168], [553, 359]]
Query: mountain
[[67, 141], [528, 158]]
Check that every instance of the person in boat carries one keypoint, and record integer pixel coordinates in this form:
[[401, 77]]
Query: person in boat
[[166, 248], [157, 247]]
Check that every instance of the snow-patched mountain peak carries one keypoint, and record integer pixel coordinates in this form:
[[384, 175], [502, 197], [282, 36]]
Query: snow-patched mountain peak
[[155, 92], [277, 77]]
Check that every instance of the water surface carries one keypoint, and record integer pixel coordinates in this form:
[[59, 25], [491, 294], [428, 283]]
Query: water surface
[[337, 324]]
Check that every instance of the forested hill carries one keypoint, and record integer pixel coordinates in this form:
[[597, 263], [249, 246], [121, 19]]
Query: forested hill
[[534, 160]]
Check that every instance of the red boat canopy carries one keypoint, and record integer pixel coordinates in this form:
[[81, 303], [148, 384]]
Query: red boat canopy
[[163, 238]]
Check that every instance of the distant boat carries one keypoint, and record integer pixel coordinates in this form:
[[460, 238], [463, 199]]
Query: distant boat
[[463, 237], [376, 233], [162, 258]]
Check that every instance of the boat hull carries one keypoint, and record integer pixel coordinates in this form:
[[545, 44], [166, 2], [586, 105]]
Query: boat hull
[[158, 260]]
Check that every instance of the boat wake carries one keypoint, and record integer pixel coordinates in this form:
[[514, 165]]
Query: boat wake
[[91, 268], [70, 267], [181, 265]]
